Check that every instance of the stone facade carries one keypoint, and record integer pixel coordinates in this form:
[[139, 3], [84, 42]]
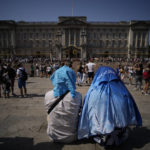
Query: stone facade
[[75, 37]]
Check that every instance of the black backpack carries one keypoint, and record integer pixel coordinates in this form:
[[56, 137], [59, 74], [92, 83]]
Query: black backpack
[[24, 75]]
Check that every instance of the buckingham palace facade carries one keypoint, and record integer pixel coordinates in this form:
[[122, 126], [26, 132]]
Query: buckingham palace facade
[[75, 37]]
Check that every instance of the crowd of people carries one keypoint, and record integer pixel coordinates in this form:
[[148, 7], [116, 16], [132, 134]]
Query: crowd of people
[[135, 72], [137, 75]]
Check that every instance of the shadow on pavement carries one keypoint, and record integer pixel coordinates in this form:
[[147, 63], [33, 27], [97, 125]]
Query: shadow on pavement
[[29, 82], [28, 96], [21, 143], [35, 95], [139, 137]]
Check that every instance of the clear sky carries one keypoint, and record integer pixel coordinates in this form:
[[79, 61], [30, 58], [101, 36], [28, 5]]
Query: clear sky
[[95, 10]]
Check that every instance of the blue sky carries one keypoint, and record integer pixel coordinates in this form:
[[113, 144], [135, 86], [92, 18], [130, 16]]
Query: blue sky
[[95, 10]]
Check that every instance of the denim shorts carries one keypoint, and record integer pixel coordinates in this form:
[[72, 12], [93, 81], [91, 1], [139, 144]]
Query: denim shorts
[[21, 83]]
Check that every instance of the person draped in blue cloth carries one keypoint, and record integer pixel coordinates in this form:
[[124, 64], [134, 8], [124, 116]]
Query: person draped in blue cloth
[[63, 105], [108, 110]]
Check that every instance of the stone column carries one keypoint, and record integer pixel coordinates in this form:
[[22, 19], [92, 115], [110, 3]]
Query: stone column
[[81, 52], [58, 52], [136, 45], [12, 41], [130, 42], [69, 38], [84, 53], [141, 40], [146, 39], [63, 38], [136, 41], [80, 38]]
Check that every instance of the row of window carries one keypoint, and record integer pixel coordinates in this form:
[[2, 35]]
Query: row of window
[[36, 30], [108, 43], [107, 30], [44, 43], [51, 35], [37, 43], [107, 35], [35, 36], [56, 29]]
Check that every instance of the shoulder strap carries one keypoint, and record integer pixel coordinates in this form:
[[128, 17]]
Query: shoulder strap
[[21, 70], [58, 100]]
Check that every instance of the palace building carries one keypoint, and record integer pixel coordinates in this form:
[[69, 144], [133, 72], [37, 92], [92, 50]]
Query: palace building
[[75, 37]]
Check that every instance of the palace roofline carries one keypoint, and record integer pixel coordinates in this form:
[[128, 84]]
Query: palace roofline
[[81, 18]]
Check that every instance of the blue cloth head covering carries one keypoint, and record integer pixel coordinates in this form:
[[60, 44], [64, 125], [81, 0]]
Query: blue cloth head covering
[[107, 104], [104, 74], [63, 80]]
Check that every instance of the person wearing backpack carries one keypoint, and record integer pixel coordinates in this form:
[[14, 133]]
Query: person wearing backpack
[[22, 77]]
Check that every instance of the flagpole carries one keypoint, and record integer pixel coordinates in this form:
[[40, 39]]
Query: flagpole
[[72, 7]]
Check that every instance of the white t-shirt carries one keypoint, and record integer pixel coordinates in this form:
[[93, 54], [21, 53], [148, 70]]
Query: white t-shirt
[[48, 69], [19, 72], [90, 66]]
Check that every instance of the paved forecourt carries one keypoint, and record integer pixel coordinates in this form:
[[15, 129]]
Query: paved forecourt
[[23, 121]]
